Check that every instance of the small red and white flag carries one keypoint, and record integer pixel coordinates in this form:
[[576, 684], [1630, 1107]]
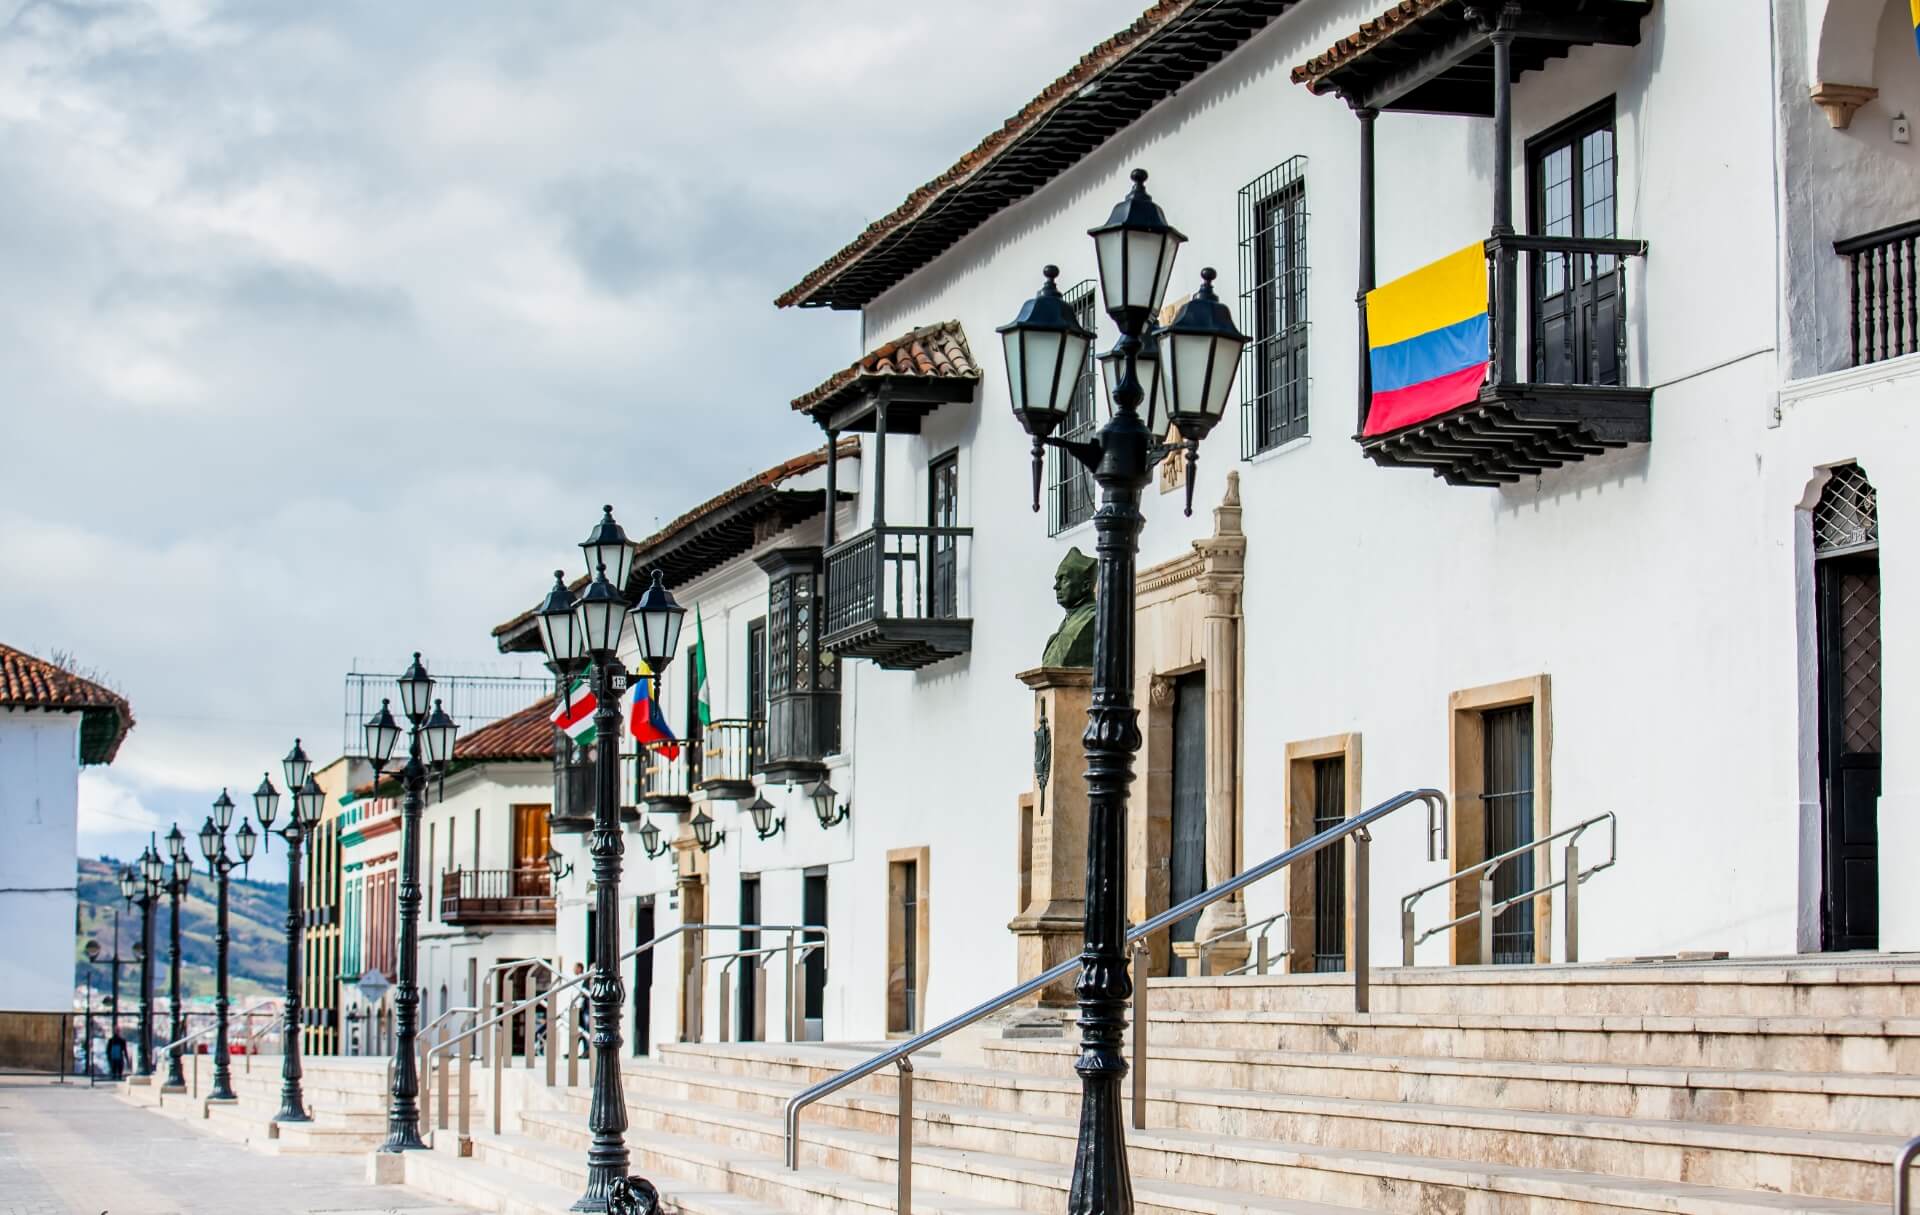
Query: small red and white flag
[[575, 714]]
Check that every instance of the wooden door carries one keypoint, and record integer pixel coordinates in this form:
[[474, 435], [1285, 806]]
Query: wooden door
[[1576, 299], [1188, 875], [1330, 866], [1847, 595], [748, 987], [532, 837], [643, 931], [943, 511]]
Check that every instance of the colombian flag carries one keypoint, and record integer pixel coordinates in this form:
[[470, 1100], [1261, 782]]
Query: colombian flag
[[1427, 340], [648, 723], [1913, 10]]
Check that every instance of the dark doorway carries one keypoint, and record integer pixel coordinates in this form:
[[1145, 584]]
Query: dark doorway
[[643, 931], [1846, 581], [757, 689], [1508, 801], [748, 969], [813, 910], [1188, 869], [1576, 298], [1329, 866]]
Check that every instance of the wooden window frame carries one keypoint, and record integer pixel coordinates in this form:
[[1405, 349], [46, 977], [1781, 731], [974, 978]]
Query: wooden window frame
[[1466, 748], [1299, 759], [897, 860]]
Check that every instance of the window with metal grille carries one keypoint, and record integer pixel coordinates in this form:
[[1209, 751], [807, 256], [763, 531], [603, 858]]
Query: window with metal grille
[[1847, 517], [1508, 802], [1273, 296], [1329, 866], [1069, 484]]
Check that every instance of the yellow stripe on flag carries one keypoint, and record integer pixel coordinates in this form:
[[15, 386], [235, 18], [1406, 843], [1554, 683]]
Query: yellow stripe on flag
[[1436, 295]]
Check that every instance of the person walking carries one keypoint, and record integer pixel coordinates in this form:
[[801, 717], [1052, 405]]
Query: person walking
[[116, 1055]]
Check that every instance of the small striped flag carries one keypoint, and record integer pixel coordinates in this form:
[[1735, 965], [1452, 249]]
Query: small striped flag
[[575, 714]]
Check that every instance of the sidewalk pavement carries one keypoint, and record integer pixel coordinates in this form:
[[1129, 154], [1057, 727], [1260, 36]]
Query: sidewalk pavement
[[69, 1150]]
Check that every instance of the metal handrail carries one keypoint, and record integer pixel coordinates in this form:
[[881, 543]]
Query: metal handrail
[[1902, 1159], [1489, 908], [1204, 949], [212, 1026], [902, 1054], [549, 998]]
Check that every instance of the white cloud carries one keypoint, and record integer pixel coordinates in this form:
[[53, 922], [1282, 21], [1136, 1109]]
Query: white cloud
[[110, 808], [327, 327]]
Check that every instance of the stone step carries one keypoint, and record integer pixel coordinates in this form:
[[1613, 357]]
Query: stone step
[[968, 1107], [1173, 1171], [1866, 1103], [942, 1182], [1847, 1044], [501, 1186], [1876, 985]]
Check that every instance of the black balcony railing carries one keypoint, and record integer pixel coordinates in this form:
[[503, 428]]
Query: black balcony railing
[[900, 595], [803, 728], [1557, 389], [1883, 307]]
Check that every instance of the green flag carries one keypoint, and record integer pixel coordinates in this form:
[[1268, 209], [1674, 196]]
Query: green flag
[[701, 704]]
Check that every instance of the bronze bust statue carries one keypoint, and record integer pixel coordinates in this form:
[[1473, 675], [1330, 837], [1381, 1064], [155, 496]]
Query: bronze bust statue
[[1072, 643]]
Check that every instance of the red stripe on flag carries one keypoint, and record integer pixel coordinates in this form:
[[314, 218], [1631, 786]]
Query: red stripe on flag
[[1427, 399], [575, 711]]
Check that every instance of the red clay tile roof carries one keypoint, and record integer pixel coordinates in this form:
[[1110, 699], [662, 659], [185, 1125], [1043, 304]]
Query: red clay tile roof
[[27, 682], [772, 478], [1371, 34], [1116, 82], [929, 352], [527, 734]]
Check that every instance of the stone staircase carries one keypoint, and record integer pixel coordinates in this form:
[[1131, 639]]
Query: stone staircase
[[346, 1098], [1701, 1089]]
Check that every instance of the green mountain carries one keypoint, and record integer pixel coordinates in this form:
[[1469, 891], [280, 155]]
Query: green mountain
[[256, 928]]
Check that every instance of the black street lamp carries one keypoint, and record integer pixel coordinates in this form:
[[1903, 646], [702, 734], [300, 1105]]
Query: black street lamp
[[307, 800], [1198, 354], [140, 887], [650, 841], [430, 737], [589, 630], [826, 805], [213, 845], [179, 880], [704, 833]]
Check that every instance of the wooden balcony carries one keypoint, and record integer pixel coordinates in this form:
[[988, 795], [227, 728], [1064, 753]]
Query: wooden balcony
[[899, 596], [1883, 307], [1571, 402], [497, 896]]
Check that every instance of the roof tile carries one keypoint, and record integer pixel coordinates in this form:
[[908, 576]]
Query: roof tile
[[27, 682], [527, 734], [932, 352]]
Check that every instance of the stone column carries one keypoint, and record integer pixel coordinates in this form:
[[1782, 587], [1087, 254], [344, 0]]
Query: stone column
[[1223, 557], [1050, 926]]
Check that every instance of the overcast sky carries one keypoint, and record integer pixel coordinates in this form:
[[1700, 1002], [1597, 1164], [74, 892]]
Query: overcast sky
[[325, 327]]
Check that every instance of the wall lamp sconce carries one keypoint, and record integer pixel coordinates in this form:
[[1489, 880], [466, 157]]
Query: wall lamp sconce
[[558, 867], [825, 804], [650, 841], [764, 824], [704, 833]]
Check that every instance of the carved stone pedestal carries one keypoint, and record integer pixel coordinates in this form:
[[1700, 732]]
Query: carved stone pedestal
[[1053, 830]]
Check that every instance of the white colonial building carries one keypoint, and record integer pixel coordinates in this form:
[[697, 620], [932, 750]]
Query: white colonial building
[[52, 723], [1638, 575]]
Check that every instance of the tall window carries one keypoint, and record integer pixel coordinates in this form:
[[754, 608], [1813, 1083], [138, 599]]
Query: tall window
[[943, 511], [1273, 278], [757, 686], [1069, 484], [1576, 297], [802, 714]]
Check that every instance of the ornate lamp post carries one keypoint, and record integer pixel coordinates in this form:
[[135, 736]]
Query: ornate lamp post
[[430, 737], [140, 887], [589, 629], [307, 800], [213, 845], [1198, 354], [179, 879]]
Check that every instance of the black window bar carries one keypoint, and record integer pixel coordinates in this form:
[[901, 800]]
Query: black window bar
[[1329, 866], [1069, 484], [1274, 383]]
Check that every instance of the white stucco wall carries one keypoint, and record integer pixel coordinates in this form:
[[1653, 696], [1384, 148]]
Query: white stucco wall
[[1663, 589], [39, 820]]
